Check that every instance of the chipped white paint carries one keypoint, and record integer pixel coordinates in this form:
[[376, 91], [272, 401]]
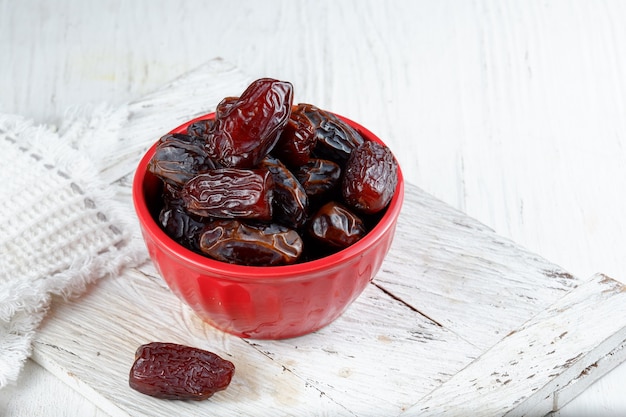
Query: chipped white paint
[[519, 375]]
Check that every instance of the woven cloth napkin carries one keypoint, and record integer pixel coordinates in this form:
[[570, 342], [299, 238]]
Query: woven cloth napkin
[[60, 229], [66, 219]]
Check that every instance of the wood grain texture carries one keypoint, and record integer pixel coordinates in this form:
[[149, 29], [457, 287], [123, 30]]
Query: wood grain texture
[[524, 362], [510, 112], [261, 385], [463, 275], [330, 371]]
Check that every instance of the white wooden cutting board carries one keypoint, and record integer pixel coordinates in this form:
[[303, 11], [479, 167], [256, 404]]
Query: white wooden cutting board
[[459, 321]]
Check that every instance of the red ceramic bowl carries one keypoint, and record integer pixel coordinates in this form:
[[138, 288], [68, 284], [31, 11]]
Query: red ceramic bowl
[[263, 302]]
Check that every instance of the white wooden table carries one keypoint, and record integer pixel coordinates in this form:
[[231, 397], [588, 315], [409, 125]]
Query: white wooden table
[[512, 112]]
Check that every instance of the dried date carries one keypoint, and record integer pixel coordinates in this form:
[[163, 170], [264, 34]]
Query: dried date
[[181, 226], [178, 372], [248, 127], [176, 221], [225, 106], [335, 139], [336, 226], [240, 243], [318, 176], [290, 199], [297, 140], [370, 178], [230, 193], [201, 128], [179, 157]]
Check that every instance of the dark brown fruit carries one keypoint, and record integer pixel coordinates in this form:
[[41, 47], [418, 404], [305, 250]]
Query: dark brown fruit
[[179, 157], [247, 244], [201, 128], [370, 178], [177, 222], [248, 127], [335, 139], [290, 199], [336, 226], [230, 193], [225, 106], [318, 176], [296, 141], [176, 372], [181, 226]]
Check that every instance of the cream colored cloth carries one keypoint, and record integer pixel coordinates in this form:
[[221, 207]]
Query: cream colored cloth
[[60, 226]]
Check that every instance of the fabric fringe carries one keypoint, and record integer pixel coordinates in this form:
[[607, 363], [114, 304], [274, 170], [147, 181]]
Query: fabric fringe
[[62, 227]]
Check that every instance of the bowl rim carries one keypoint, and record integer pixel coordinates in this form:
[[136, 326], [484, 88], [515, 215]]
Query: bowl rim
[[248, 273]]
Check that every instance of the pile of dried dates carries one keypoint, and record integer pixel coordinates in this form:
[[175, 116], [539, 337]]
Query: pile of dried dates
[[266, 182]]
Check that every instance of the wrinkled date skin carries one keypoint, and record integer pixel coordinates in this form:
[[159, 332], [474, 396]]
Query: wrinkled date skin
[[297, 140], [225, 106], [290, 199], [336, 226], [177, 222], [370, 178], [181, 226], [335, 139], [179, 157], [230, 193], [250, 244], [318, 176], [177, 372], [201, 128], [248, 127]]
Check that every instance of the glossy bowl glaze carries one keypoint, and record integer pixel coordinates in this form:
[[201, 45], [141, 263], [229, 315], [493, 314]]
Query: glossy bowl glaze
[[263, 302]]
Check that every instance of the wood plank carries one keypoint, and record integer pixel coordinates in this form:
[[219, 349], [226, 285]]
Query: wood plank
[[377, 358], [519, 375], [90, 345], [592, 373], [459, 272]]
